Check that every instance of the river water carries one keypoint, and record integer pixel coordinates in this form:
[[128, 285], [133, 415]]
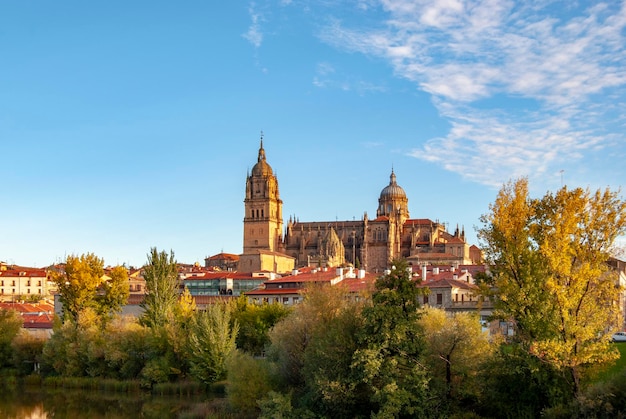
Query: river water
[[38, 403]]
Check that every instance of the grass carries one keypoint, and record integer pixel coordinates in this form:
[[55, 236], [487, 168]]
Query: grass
[[619, 365]]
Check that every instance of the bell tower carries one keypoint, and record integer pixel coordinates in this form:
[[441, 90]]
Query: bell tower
[[263, 219]]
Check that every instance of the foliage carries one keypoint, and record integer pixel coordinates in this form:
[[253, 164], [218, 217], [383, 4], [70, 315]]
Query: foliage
[[161, 278], [78, 283], [331, 385], [27, 350], [279, 406], [113, 294], [550, 274], [212, 339], [83, 285], [389, 359], [605, 399], [126, 348], [517, 384], [249, 380], [10, 325], [255, 321], [457, 348]]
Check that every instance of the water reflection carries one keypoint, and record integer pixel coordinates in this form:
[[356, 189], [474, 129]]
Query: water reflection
[[37, 403]]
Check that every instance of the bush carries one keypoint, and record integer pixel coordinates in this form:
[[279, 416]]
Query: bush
[[248, 382], [27, 352], [601, 400]]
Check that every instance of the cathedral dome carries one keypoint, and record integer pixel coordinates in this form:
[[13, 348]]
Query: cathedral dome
[[262, 168], [393, 190]]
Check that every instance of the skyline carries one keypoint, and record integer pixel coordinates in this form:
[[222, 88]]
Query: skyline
[[128, 126]]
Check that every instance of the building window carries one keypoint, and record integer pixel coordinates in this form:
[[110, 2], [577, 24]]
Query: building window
[[426, 299], [439, 299], [38, 283], [28, 291]]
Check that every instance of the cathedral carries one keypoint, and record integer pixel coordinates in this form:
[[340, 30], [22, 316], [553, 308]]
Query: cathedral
[[370, 244]]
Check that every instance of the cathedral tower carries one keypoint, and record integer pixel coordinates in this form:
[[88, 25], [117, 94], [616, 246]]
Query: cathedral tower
[[263, 220]]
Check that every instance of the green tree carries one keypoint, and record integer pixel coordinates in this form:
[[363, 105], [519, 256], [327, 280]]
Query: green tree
[[332, 387], [126, 348], [161, 276], [10, 325], [550, 274], [211, 341], [27, 351], [391, 346], [249, 381], [255, 321]]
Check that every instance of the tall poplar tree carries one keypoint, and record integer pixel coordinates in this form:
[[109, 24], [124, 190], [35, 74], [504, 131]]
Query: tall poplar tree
[[161, 276], [550, 274]]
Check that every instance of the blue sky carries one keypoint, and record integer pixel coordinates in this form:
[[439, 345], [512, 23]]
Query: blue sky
[[127, 125]]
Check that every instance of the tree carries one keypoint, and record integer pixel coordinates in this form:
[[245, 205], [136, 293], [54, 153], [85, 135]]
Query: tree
[[113, 293], [248, 382], [311, 355], [255, 321], [27, 352], [456, 348], [211, 342], [161, 276], [82, 285], [391, 347], [550, 274], [10, 325], [332, 386]]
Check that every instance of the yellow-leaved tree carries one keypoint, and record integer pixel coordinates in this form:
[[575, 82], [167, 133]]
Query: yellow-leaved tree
[[550, 274], [83, 286]]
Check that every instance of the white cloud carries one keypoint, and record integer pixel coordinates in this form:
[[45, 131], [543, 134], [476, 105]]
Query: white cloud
[[254, 34], [326, 78], [474, 57]]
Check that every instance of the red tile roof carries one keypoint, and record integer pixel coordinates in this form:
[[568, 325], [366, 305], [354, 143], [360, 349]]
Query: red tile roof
[[275, 291], [35, 315], [24, 272], [207, 275]]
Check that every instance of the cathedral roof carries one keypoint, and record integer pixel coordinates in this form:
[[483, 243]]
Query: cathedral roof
[[262, 168], [393, 190]]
